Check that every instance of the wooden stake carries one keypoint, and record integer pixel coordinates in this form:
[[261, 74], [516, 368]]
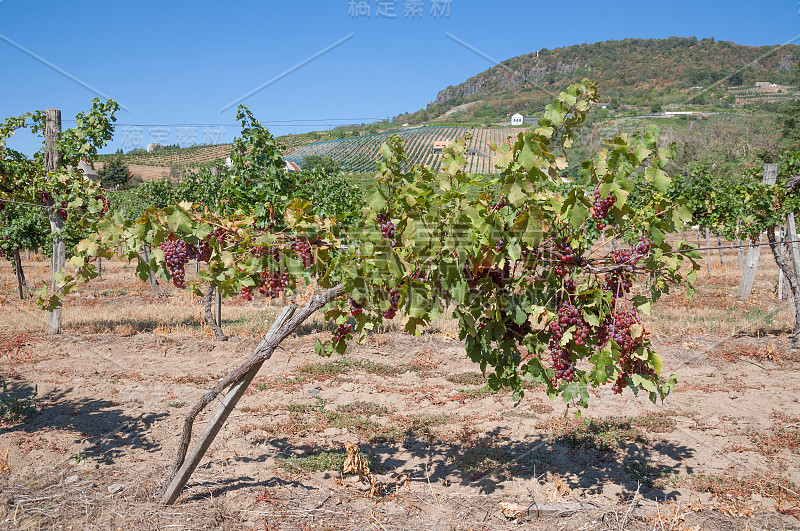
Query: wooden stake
[[779, 233], [791, 234], [52, 161], [151, 276], [754, 251]]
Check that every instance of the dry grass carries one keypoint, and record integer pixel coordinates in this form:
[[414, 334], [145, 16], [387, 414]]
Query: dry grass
[[601, 434], [715, 309], [726, 487]]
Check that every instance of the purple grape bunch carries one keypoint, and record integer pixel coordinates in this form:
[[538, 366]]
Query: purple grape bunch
[[356, 308], [601, 206], [568, 255], [341, 332], [177, 254], [388, 230], [273, 284], [501, 202], [568, 315], [618, 329], [303, 249], [394, 300]]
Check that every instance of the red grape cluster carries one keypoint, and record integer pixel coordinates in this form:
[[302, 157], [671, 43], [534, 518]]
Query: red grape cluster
[[618, 283], [643, 247], [569, 285], [62, 212], [45, 197], [273, 284], [394, 300], [567, 252], [341, 332], [220, 234], [618, 329], [247, 293], [356, 308], [501, 202], [624, 256], [499, 245], [106, 203], [632, 256], [303, 249], [568, 315], [203, 251], [387, 227], [177, 254], [601, 206]]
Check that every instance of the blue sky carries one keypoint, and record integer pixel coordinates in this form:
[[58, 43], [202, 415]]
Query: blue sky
[[175, 64]]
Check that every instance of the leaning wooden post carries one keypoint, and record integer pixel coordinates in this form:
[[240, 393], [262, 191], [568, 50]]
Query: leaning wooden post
[[719, 248], [52, 161], [754, 250], [286, 323]]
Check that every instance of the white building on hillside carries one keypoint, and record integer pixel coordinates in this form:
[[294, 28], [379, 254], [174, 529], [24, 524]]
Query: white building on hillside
[[517, 119]]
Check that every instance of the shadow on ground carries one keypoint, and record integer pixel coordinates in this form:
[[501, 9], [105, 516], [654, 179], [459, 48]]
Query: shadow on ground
[[107, 432]]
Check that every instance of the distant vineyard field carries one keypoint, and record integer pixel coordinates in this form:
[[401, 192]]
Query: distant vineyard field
[[360, 154], [356, 154], [200, 155]]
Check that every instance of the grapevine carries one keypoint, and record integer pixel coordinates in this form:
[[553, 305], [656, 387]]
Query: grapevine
[[512, 262]]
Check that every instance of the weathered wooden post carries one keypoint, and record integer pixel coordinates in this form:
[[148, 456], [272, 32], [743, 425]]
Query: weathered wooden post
[[151, 276], [52, 161], [791, 235], [754, 250], [781, 241]]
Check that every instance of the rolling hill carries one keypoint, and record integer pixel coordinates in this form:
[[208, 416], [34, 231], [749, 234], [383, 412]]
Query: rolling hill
[[635, 72]]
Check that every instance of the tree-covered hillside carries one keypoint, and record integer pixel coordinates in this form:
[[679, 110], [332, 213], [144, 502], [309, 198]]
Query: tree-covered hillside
[[638, 72]]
